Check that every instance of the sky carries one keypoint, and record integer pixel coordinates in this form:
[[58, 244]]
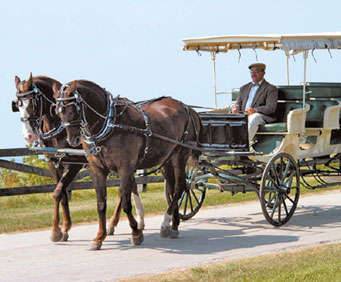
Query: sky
[[134, 48]]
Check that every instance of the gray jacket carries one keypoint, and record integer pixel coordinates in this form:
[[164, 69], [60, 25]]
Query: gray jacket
[[264, 102]]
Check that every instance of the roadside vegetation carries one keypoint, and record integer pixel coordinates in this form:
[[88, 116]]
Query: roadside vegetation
[[321, 263]]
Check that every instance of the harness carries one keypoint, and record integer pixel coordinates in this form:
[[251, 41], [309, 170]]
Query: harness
[[37, 97], [111, 122]]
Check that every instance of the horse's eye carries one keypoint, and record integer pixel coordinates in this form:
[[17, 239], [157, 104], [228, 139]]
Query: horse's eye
[[19, 103]]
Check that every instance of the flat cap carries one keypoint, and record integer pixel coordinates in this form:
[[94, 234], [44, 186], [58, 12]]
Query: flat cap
[[259, 66]]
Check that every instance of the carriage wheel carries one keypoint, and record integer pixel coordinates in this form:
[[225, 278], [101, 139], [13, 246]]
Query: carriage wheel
[[193, 197], [280, 189]]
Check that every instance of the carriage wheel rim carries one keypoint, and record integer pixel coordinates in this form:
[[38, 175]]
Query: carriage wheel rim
[[280, 188]]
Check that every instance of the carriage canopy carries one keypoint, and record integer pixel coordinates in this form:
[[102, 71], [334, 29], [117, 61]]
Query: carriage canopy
[[290, 43]]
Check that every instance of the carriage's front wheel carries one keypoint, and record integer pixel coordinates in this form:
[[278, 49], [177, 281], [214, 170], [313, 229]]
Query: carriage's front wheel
[[280, 189], [193, 197]]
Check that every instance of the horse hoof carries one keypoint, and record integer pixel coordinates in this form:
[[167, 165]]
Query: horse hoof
[[137, 240], [56, 236], [111, 230], [174, 234], [65, 237], [95, 245], [165, 231]]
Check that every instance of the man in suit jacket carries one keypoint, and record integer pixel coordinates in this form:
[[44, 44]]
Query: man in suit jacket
[[258, 99]]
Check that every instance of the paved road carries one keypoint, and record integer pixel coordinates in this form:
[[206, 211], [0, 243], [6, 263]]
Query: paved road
[[216, 233]]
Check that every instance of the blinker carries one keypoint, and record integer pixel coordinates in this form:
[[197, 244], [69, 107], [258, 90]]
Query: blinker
[[15, 107]]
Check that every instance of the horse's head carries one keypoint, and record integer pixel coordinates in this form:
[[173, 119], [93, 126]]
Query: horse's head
[[68, 109], [26, 104]]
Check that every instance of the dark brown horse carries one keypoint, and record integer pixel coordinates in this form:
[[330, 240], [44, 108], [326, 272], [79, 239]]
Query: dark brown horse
[[36, 104], [122, 136]]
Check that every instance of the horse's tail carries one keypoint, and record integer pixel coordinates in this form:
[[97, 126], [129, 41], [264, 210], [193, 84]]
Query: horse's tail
[[197, 130]]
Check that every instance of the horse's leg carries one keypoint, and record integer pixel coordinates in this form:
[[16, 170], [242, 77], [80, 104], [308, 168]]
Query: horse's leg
[[99, 178], [168, 173], [115, 217], [117, 212], [179, 164], [126, 187], [138, 207], [56, 233], [68, 176]]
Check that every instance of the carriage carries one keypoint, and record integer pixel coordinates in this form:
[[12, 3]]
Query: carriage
[[303, 147]]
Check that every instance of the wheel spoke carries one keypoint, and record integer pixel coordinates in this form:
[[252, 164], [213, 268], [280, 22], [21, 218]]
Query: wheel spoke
[[282, 165], [270, 198], [190, 200], [274, 208], [185, 207], [276, 179], [286, 170], [291, 200], [279, 207], [285, 207], [195, 196], [182, 198], [289, 179], [272, 179]]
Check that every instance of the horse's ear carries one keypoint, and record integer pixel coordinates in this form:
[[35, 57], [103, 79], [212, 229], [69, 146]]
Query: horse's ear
[[17, 81], [73, 86], [55, 88], [30, 79]]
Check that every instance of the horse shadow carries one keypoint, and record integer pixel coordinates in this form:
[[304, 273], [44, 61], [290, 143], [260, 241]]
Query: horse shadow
[[214, 238]]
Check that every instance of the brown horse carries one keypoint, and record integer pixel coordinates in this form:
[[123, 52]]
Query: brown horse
[[36, 104], [122, 136]]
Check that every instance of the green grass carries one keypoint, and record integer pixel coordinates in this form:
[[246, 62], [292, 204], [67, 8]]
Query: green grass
[[321, 263], [20, 213]]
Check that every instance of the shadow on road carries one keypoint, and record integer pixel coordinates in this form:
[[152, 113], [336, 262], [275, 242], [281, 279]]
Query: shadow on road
[[215, 238]]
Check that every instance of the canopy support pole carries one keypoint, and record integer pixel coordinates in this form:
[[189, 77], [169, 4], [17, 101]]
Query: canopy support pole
[[213, 57], [288, 71], [305, 57]]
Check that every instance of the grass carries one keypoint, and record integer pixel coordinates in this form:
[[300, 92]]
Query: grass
[[22, 213], [322, 263]]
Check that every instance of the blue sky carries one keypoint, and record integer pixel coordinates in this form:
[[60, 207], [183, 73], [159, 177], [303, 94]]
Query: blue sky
[[134, 48]]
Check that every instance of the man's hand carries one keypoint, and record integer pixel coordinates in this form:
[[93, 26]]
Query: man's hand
[[234, 109], [250, 111]]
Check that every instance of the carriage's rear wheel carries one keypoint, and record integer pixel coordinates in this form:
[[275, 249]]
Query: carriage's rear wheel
[[193, 197], [280, 189]]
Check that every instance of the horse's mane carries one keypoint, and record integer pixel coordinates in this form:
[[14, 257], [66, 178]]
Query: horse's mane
[[90, 86]]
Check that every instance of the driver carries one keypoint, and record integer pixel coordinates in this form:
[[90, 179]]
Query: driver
[[258, 99]]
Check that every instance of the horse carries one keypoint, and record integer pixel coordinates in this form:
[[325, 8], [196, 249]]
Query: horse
[[123, 136], [35, 102]]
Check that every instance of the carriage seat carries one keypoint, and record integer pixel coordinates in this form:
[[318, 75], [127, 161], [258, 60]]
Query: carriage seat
[[283, 109], [322, 98]]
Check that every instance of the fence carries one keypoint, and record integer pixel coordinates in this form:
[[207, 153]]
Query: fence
[[76, 185]]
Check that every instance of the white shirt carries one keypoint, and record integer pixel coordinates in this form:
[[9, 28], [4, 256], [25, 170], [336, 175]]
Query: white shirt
[[252, 94]]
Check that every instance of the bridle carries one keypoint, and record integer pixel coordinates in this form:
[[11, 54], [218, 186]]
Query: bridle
[[81, 121], [37, 97]]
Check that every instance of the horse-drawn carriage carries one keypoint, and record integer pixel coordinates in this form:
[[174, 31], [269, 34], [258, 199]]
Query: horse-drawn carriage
[[302, 147]]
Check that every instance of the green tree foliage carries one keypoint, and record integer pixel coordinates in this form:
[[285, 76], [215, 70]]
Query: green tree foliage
[[12, 178]]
